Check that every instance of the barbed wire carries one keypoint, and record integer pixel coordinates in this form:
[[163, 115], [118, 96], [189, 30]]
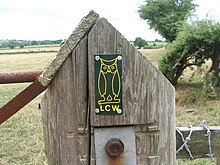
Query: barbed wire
[[208, 134], [185, 142]]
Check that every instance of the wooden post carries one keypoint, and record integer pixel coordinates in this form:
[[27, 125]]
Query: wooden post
[[148, 102], [75, 133], [65, 109]]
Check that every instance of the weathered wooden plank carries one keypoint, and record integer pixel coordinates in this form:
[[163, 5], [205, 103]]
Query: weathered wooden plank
[[139, 85], [49, 124], [147, 143], [79, 60], [65, 110], [80, 81], [43, 105], [148, 97], [166, 120], [77, 35], [199, 142]]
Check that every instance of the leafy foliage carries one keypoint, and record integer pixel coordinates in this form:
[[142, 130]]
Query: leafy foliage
[[196, 43], [167, 16]]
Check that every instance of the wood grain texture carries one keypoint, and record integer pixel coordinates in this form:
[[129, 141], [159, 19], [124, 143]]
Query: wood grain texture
[[141, 80], [218, 159], [148, 97], [69, 103], [199, 142], [167, 121], [65, 109]]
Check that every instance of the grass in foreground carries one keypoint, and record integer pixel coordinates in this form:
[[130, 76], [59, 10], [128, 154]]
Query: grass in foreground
[[28, 62], [21, 140], [191, 96]]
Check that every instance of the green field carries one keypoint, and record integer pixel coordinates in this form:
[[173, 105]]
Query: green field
[[21, 140]]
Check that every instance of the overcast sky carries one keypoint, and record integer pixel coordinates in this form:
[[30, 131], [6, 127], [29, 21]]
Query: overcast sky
[[56, 19]]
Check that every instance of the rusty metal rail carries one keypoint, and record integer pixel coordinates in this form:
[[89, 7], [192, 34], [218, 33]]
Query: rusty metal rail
[[18, 77], [24, 97]]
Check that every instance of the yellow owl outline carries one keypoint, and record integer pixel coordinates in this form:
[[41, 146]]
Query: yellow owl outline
[[109, 68]]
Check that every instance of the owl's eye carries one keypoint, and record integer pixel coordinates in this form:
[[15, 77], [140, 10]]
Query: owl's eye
[[104, 67], [112, 67]]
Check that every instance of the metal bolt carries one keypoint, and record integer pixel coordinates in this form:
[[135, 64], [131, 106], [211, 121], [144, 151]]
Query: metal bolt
[[114, 147], [96, 110], [119, 57], [97, 58], [119, 111]]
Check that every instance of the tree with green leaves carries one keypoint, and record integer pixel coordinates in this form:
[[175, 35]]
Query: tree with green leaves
[[139, 42], [195, 44], [167, 16]]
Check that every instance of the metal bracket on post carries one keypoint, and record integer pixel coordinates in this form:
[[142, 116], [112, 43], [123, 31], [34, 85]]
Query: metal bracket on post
[[115, 146]]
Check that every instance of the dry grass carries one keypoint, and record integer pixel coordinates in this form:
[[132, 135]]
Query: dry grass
[[21, 140], [153, 55], [31, 48], [192, 97], [24, 61]]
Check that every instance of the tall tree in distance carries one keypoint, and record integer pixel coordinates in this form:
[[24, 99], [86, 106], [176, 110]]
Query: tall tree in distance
[[140, 42], [167, 16]]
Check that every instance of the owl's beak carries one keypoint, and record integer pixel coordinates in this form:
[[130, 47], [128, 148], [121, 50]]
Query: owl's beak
[[108, 70]]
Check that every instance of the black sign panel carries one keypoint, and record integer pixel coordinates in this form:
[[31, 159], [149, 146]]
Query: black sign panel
[[108, 84]]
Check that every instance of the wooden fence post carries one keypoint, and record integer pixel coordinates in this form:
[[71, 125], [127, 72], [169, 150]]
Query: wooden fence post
[[148, 101], [107, 104]]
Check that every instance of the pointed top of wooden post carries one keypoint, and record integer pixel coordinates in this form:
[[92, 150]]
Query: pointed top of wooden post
[[80, 31]]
